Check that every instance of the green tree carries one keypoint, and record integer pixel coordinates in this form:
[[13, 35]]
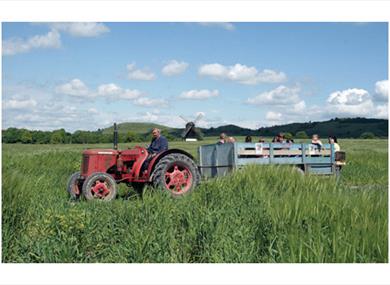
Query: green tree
[[11, 135], [367, 135], [301, 135], [169, 136], [58, 136], [25, 136], [106, 138], [132, 137], [41, 137], [288, 136]]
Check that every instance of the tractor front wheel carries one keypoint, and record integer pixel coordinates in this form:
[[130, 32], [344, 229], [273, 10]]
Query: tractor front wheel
[[100, 186], [176, 173], [74, 187]]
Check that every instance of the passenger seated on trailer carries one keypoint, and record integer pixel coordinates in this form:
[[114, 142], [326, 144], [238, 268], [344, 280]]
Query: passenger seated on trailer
[[231, 140], [261, 140], [248, 139], [333, 140], [279, 138], [315, 139], [222, 138]]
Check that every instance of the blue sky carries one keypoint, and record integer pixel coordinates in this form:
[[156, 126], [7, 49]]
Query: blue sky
[[88, 75]]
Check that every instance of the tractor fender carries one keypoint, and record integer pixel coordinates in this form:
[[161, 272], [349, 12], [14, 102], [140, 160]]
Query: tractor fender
[[161, 155]]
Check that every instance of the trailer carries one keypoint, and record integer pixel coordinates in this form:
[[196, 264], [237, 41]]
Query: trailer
[[220, 159]]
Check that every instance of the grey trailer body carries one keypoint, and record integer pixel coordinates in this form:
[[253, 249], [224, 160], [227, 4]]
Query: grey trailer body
[[219, 159]]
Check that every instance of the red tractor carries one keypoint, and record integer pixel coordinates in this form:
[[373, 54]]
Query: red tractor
[[173, 170]]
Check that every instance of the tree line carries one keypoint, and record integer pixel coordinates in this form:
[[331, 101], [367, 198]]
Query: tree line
[[60, 136], [14, 135]]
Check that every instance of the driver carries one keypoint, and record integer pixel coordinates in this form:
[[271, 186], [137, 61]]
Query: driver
[[159, 143]]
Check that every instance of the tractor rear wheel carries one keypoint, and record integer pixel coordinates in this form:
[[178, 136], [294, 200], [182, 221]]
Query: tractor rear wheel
[[74, 187], [100, 186], [176, 173]]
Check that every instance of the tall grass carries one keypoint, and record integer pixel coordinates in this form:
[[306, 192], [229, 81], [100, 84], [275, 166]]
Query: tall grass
[[257, 214]]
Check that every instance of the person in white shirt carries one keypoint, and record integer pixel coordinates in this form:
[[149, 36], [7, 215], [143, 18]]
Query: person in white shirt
[[333, 140]]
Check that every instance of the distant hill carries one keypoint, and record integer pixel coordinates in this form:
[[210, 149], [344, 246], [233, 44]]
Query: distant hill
[[343, 128], [231, 130], [136, 127]]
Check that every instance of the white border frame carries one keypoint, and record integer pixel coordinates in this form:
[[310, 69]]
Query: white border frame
[[195, 11]]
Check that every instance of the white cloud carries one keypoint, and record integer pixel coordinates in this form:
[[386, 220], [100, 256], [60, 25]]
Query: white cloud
[[352, 96], [382, 90], [109, 90], [382, 111], [92, 111], [18, 45], [43, 109], [81, 29], [149, 117], [273, 116], [281, 95], [174, 67], [52, 115], [199, 94], [128, 94], [113, 91], [241, 74], [139, 74], [350, 102], [224, 25], [148, 102], [75, 88], [20, 104], [298, 108], [53, 38]]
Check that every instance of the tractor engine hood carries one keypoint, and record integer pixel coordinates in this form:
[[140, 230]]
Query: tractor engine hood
[[101, 152]]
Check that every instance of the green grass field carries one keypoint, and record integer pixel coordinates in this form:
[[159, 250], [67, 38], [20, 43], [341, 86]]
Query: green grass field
[[257, 214]]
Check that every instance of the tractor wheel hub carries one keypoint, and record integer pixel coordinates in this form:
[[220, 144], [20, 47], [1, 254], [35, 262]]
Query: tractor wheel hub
[[178, 180], [100, 189]]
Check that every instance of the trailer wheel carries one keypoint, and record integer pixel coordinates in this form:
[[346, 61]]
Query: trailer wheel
[[100, 186], [74, 186], [299, 170], [176, 173]]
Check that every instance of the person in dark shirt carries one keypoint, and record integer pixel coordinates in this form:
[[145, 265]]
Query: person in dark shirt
[[248, 139], [222, 138], [279, 138], [159, 143]]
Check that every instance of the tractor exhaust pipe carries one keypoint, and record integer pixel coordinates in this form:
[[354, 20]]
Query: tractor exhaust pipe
[[115, 137]]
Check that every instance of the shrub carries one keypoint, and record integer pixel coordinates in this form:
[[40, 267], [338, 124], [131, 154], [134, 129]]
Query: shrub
[[367, 135], [301, 135]]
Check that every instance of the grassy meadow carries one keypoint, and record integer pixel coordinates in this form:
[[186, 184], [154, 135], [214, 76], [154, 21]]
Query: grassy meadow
[[257, 214]]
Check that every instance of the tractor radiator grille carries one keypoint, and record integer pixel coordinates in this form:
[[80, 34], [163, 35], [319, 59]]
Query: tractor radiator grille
[[84, 166]]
